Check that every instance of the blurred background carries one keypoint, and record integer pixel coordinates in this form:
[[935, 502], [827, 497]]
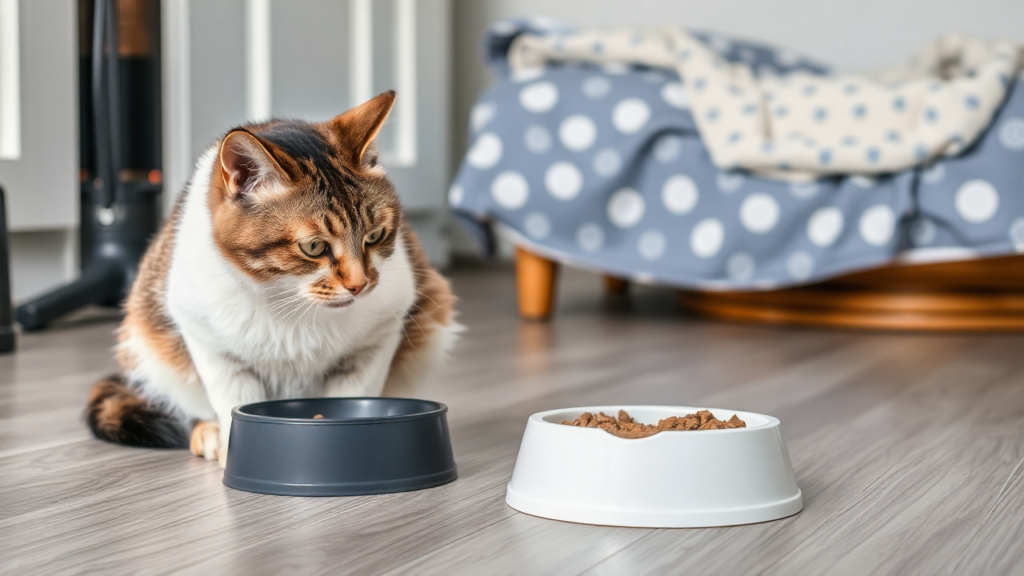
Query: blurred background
[[192, 69], [851, 34]]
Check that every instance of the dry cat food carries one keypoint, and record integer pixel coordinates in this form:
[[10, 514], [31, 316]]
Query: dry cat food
[[625, 427]]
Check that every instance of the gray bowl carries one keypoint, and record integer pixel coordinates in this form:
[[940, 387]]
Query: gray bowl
[[360, 446]]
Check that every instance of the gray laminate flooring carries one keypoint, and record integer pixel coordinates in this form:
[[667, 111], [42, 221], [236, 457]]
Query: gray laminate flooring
[[909, 449]]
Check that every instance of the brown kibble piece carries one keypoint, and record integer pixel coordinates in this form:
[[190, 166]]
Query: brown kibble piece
[[625, 427], [318, 417]]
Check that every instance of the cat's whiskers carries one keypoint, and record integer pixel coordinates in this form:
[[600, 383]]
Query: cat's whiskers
[[287, 306], [416, 273], [284, 304], [417, 306], [314, 305], [287, 314], [283, 290], [401, 322], [315, 312], [425, 296], [280, 297], [391, 310], [285, 299], [296, 312]]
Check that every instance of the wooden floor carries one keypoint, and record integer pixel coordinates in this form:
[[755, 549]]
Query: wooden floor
[[909, 450]]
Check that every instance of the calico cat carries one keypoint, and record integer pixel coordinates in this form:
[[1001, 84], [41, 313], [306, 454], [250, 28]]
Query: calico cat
[[285, 270]]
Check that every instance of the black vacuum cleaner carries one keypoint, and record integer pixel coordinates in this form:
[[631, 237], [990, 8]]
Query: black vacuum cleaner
[[120, 149]]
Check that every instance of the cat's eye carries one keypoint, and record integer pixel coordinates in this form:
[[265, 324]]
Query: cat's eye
[[375, 236], [313, 248]]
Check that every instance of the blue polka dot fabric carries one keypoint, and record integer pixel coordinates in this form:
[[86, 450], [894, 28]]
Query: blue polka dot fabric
[[602, 167], [949, 92]]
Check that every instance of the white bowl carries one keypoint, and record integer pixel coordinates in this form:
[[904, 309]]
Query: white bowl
[[670, 480]]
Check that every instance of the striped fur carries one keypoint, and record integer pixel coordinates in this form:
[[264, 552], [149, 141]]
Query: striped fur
[[116, 413], [286, 269]]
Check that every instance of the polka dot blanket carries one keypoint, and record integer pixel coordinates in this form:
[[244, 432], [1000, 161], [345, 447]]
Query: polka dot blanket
[[603, 166], [801, 125]]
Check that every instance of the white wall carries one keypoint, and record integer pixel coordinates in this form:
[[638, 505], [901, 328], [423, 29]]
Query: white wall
[[310, 69], [41, 261], [39, 128], [854, 34]]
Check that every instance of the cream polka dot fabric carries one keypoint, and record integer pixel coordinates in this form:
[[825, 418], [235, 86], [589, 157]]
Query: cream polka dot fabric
[[604, 166], [800, 125]]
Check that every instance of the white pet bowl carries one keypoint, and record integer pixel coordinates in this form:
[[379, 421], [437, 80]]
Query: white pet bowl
[[670, 480]]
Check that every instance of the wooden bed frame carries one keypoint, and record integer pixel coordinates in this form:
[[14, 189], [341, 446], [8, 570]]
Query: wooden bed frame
[[980, 295]]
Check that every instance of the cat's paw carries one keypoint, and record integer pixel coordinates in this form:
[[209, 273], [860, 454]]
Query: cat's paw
[[222, 452], [206, 440]]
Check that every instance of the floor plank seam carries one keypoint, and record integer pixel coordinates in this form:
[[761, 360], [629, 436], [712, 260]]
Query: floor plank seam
[[991, 510], [256, 543], [840, 510], [650, 533], [39, 447], [452, 543]]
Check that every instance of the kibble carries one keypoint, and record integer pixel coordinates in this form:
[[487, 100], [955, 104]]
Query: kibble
[[625, 427]]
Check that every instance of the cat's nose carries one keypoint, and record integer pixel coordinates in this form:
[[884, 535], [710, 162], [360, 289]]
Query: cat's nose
[[352, 275]]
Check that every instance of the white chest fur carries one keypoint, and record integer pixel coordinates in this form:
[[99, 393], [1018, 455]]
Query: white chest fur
[[288, 341]]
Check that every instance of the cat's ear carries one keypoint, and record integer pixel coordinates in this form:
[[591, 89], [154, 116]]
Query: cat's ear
[[247, 168], [357, 129]]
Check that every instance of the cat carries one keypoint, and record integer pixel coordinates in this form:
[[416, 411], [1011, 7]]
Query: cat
[[286, 269]]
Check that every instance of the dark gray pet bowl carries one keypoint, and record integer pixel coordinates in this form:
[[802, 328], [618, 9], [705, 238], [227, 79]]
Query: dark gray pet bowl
[[361, 446]]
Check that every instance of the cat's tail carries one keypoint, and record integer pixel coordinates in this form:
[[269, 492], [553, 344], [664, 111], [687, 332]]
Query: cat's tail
[[117, 413]]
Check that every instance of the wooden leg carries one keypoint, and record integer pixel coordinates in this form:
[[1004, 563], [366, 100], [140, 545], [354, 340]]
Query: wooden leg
[[615, 285], [985, 295], [535, 282]]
